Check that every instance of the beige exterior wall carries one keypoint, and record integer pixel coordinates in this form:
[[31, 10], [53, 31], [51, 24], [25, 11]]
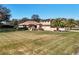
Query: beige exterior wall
[[46, 25], [62, 29], [45, 22], [38, 26], [53, 29], [48, 28]]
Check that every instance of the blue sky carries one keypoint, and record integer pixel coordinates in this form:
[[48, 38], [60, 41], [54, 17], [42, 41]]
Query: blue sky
[[44, 10]]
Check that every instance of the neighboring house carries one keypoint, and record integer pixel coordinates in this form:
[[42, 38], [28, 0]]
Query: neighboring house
[[6, 25]]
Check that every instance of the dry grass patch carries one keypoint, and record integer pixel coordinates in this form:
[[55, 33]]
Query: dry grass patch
[[38, 42]]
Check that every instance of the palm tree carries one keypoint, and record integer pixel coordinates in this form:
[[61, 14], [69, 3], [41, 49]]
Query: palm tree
[[58, 23]]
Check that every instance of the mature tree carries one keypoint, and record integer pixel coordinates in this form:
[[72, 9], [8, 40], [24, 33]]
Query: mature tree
[[35, 17], [58, 23], [71, 23], [4, 13]]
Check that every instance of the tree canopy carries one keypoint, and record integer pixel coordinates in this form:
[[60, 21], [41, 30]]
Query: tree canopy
[[4, 13], [71, 23], [58, 22], [35, 17]]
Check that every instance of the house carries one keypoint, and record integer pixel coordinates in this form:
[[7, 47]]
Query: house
[[31, 25], [43, 25], [4, 24]]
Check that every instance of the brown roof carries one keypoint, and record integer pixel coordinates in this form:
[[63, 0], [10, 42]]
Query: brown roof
[[29, 23]]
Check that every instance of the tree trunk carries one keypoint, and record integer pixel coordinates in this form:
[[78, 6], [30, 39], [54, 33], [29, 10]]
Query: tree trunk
[[57, 28]]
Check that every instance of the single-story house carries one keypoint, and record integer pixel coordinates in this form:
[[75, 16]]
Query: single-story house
[[43, 24], [6, 25], [31, 25]]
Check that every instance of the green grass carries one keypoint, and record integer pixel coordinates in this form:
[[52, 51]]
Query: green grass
[[39, 43]]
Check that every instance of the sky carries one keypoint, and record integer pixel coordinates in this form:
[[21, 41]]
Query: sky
[[45, 11]]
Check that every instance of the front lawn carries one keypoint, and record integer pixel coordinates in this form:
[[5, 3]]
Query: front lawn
[[39, 42]]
